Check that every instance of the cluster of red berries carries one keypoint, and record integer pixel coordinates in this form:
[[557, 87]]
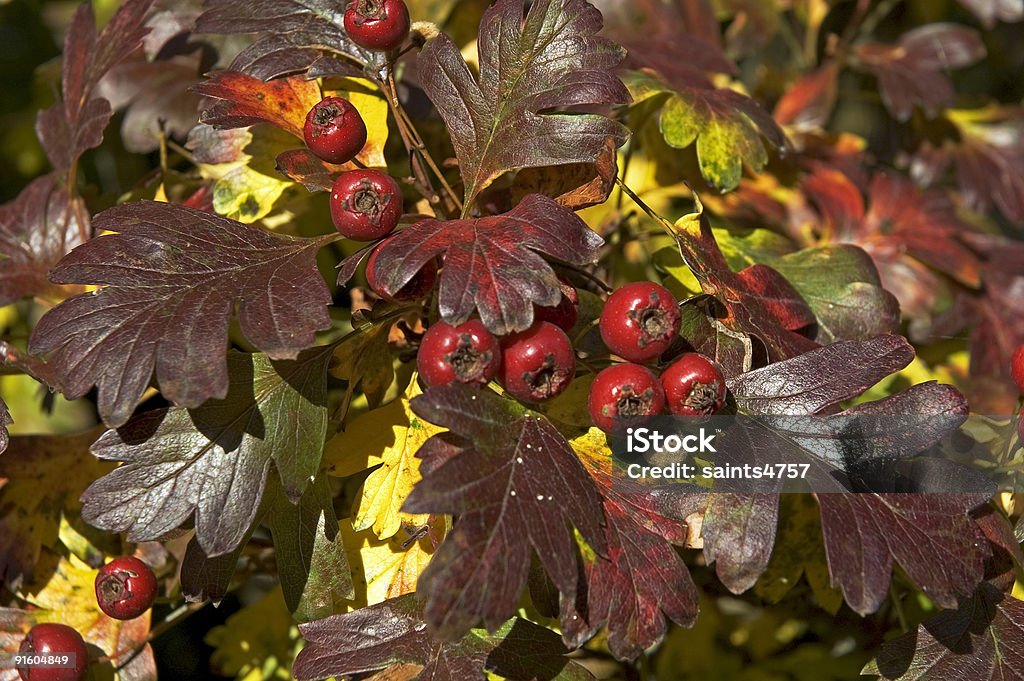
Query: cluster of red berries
[[533, 365], [640, 321], [125, 588]]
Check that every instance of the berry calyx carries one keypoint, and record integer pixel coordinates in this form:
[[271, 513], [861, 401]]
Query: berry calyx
[[623, 395], [565, 313], [639, 321], [334, 130], [419, 286], [366, 204], [1017, 368], [538, 363], [125, 588], [380, 25], [467, 353], [54, 639], [694, 386]]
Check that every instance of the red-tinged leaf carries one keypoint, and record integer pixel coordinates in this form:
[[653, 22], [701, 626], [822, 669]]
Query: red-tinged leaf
[[171, 277], [910, 72], [982, 640], [75, 124], [642, 581], [507, 118], [296, 36], [1007, 556], [303, 166], [245, 101], [574, 186], [745, 309], [492, 265], [988, 158], [514, 485], [394, 632], [819, 379], [739, 534], [779, 298], [991, 11], [37, 229], [213, 461], [808, 103]]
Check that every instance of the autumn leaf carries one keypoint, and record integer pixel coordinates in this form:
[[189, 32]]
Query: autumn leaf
[[492, 265], [386, 438], [390, 568], [213, 461], [365, 361], [243, 101], [514, 483], [394, 631], [511, 116], [170, 279], [255, 642]]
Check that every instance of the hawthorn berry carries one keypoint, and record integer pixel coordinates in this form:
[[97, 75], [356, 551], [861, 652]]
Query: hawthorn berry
[[565, 313], [467, 353], [380, 25], [417, 287], [125, 588], [623, 394], [639, 321], [694, 386], [538, 363], [49, 638], [365, 204], [334, 130], [1017, 368]]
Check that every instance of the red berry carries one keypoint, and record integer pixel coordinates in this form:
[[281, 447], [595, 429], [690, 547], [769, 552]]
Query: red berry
[[538, 363], [419, 286], [563, 314], [640, 321], [1017, 368], [54, 639], [377, 24], [467, 353], [694, 385], [125, 588], [334, 130], [366, 204], [624, 394]]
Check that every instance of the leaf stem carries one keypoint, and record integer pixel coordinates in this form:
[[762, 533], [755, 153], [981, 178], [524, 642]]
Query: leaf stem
[[651, 213]]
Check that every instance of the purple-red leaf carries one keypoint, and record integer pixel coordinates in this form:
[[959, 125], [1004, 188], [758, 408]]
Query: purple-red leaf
[[513, 483], [36, 230], [394, 631], [910, 72], [493, 264], [171, 278], [508, 118], [739, 534]]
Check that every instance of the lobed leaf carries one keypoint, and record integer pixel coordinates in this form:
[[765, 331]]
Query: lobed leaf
[[393, 632], [492, 265], [244, 101], [213, 461], [513, 482], [513, 116], [171, 277]]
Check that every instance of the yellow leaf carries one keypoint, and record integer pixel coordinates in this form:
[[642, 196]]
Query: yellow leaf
[[388, 437], [372, 106], [257, 642], [385, 569]]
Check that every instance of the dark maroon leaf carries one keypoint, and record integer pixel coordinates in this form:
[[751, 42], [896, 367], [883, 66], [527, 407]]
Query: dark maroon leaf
[[76, 122], [514, 485], [1007, 556], [819, 379], [982, 640], [394, 631], [244, 101], [492, 265], [507, 119], [171, 278], [213, 461], [739, 534], [37, 229], [910, 72], [203, 578], [642, 581], [296, 36], [990, 11]]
